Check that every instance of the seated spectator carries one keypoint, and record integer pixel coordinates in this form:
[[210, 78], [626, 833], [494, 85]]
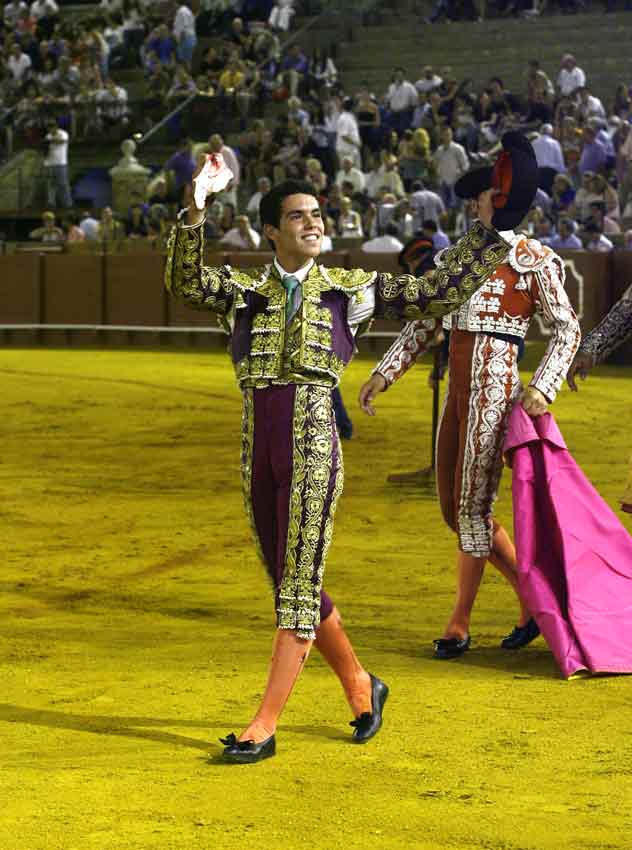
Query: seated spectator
[[71, 227], [85, 113], [227, 218], [252, 208], [156, 86], [213, 63], [286, 163], [12, 11], [182, 87], [386, 244], [48, 232], [315, 175], [545, 231], [566, 238], [157, 220], [242, 237], [589, 106], [350, 174], [26, 25], [322, 73], [294, 67], [136, 225], [595, 240], [160, 42], [296, 113], [593, 156], [231, 80], [431, 230], [563, 195], [601, 190], [109, 229], [239, 36], [597, 215], [368, 120], [89, 226], [349, 224], [386, 178], [113, 110], [627, 240]]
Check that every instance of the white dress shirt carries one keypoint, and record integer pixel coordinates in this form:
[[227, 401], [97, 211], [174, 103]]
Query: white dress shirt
[[548, 153]]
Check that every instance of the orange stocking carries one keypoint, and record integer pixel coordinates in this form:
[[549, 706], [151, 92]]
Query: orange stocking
[[288, 657], [335, 647]]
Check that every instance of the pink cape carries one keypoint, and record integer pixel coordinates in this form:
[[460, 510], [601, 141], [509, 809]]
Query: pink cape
[[574, 555]]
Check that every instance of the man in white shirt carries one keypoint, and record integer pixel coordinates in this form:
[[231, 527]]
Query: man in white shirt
[[347, 134], [19, 64], [184, 33], [263, 187], [429, 81], [400, 100], [425, 204], [89, 226], [596, 240], [56, 168], [386, 244], [548, 151], [242, 237], [350, 174], [451, 162], [571, 77]]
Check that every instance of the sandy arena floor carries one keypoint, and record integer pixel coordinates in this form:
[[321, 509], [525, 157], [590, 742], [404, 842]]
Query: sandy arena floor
[[135, 628]]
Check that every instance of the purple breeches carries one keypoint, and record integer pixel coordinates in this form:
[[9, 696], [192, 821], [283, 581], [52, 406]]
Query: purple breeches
[[292, 476]]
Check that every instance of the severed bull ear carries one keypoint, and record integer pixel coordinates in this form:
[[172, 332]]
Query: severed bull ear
[[214, 177]]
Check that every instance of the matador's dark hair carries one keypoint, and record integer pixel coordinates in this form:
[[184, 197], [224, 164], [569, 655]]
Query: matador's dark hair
[[270, 205]]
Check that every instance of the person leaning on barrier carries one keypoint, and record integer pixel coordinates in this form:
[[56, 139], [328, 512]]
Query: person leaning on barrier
[[293, 324]]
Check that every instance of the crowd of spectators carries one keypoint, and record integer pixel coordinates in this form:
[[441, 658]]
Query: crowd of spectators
[[384, 163]]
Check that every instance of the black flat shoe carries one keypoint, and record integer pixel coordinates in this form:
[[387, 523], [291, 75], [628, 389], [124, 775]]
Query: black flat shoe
[[247, 752], [521, 635], [445, 648], [369, 724]]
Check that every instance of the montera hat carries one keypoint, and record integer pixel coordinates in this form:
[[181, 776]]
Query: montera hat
[[515, 177]]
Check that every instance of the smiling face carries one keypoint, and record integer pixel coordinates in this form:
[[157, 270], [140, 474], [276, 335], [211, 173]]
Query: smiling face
[[299, 236]]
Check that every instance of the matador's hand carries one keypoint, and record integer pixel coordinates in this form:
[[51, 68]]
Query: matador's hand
[[582, 364], [534, 402], [376, 384]]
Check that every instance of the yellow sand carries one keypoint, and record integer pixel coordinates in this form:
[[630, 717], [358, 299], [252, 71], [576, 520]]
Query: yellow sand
[[136, 624]]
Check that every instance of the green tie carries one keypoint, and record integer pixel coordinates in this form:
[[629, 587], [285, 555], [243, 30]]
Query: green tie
[[289, 284]]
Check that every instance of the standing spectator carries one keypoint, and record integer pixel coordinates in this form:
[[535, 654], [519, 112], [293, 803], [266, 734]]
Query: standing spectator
[[425, 204], [48, 232], [451, 162], [350, 174], [386, 244], [56, 167], [548, 151], [400, 101], [348, 135], [160, 42], [566, 239], [295, 67], [242, 237], [137, 226], [571, 77], [594, 155], [184, 33], [367, 114], [281, 15], [596, 241], [323, 74]]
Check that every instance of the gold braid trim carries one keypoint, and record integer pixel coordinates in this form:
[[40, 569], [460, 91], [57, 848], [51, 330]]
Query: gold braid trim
[[247, 446], [202, 287], [299, 597]]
